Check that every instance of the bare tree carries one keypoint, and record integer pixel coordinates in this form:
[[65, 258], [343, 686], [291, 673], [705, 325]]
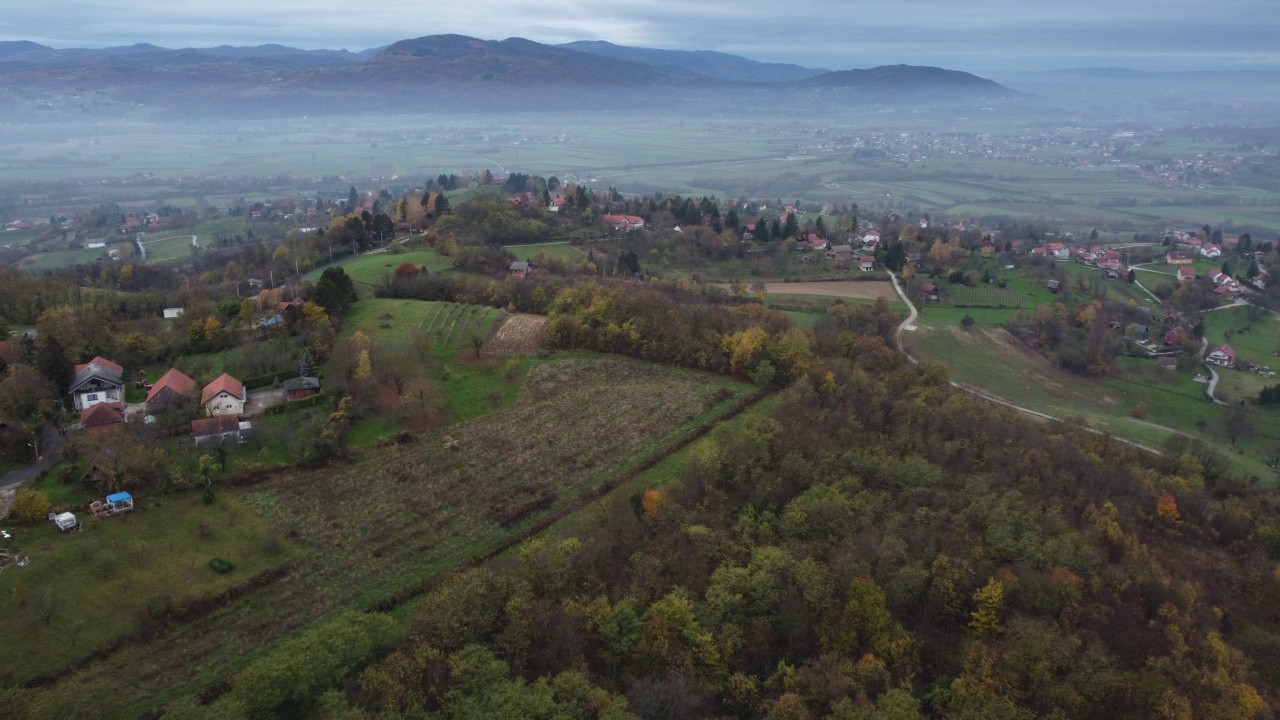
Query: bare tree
[[46, 603]]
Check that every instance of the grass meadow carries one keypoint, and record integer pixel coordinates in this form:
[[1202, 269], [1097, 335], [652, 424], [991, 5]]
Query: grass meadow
[[119, 570]]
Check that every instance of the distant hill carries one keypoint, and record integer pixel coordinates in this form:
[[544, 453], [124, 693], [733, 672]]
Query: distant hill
[[908, 79], [16, 47], [442, 73], [718, 65], [458, 59]]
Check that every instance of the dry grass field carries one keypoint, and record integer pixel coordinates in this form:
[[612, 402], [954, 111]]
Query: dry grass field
[[855, 289], [519, 335]]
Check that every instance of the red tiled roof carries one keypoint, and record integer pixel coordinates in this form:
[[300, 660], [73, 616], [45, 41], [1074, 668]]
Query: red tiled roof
[[174, 380], [222, 383], [102, 414], [99, 360], [215, 425]]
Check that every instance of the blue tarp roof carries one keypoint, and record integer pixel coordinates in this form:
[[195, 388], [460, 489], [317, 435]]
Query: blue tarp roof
[[118, 497]]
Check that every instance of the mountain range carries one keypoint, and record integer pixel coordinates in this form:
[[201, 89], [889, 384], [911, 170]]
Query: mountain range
[[438, 72]]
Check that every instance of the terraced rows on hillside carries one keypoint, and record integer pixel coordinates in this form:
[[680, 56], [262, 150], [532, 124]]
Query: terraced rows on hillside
[[404, 512]]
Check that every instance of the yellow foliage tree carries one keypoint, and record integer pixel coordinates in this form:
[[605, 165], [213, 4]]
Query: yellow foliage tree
[[990, 599], [31, 505], [1167, 509], [652, 503]]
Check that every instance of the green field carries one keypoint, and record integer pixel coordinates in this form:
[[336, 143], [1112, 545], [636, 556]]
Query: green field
[[122, 571], [989, 358], [1254, 340], [561, 250], [370, 269]]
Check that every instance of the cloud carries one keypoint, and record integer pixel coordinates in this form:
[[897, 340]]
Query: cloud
[[981, 35]]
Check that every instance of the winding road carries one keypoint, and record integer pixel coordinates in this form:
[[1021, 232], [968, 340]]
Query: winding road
[[909, 324]]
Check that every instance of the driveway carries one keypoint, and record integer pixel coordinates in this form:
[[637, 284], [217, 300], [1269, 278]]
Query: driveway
[[258, 402]]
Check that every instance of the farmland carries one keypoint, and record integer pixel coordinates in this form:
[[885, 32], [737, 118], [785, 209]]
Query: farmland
[[404, 512]]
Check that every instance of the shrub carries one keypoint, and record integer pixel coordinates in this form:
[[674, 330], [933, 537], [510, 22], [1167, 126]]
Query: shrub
[[31, 506], [221, 565]]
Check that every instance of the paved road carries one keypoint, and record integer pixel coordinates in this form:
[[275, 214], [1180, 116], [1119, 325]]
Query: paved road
[[50, 451]]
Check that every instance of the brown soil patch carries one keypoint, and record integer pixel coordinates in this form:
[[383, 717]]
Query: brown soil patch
[[519, 335]]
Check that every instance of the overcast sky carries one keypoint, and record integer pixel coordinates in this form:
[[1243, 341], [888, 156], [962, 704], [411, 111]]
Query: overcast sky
[[988, 36]]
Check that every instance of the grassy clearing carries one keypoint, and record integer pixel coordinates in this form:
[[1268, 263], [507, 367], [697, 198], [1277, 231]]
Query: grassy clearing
[[386, 320], [108, 574], [989, 358], [561, 250], [163, 249], [406, 512], [371, 268]]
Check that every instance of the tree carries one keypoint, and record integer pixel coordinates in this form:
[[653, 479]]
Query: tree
[[353, 199], [46, 603], [307, 365], [52, 361], [334, 290], [967, 321], [1238, 422], [1133, 275], [31, 506], [477, 342]]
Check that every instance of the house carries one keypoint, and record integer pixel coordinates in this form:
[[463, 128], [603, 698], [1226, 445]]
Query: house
[[1186, 273], [1211, 251], [173, 313], [224, 396], [97, 381], [219, 430], [1053, 286], [866, 263], [1223, 355], [102, 416], [1218, 277], [301, 387], [1230, 291], [623, 222], [1143, 331], [169, 391], [1167, 362], [1057, 250], [930, 291], [518, 269], [1179, 257], [1171, 319], [841, 252], [10, 352], [1175, 336]]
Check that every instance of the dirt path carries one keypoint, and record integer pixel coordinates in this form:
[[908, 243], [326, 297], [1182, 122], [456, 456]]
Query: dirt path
[[859, 289], [909, 323]]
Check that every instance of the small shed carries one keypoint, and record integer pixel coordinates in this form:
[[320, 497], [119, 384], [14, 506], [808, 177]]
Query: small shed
[[301, 387], [1053, 286]]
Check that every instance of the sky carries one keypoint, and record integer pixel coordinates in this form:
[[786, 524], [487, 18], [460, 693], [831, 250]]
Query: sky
[[990, 36]]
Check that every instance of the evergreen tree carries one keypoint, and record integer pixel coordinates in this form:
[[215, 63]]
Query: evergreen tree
[[353, 199], [731, 219], [762, 230], [775, 230], [307, 365], [51, 361], [792, 227]]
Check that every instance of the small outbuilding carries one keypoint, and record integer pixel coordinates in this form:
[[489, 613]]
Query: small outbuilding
[[301, 387]]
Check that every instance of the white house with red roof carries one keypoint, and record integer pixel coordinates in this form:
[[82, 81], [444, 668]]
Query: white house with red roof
[[1211, 251], [1186, 273], [224, 396], [866, 263], [1223, 355], [1057, 250], [623, 222]]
